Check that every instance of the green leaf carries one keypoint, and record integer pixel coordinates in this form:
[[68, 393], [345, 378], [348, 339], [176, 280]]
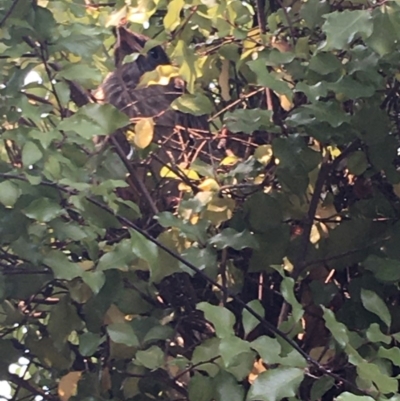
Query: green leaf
[[94, 279], [221, 318], [393, 354], [9, 193], [151, 358], [205, 356], [227, 388], [320, 387], [262, 212], [324, 64], [229, 237], [312, 12], [341, 28], [346, 396], [63, 320], [338, 330], [330, 112], [371, 372], [373, 303], [275, 384], [119, 258], [95, 119], [88, 343], [248, 120], [81, 73], [386, 270], [287, 290], [268, 348], [272, 248], [248, 320], [269, 80], [197, 104], [383, 39], [200, 388], [144, 248], [357, 163], [31, 154], [122, 333], [80, 44], [241, 361], [375, 335], [62, 268], [43, 210]]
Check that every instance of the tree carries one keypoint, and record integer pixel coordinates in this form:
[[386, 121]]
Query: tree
[[272, 275]]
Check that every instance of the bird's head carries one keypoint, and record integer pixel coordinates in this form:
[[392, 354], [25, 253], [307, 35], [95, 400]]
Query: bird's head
[[129, 42]]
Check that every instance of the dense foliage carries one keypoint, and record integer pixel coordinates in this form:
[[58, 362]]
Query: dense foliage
[[273, 273]]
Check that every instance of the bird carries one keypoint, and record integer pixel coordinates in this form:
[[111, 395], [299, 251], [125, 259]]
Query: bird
[[177, 134]]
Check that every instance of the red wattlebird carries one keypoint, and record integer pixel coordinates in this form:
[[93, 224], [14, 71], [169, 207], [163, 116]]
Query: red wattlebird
[[181, 137]]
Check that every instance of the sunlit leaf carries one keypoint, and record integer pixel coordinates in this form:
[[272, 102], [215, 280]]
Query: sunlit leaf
[[144, 131], [342, 28]]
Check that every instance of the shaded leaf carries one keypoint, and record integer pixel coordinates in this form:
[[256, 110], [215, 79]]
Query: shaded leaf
[[275, 384], [248, 320], [31, 154], [122, 333], [231, 238], [373, 303]]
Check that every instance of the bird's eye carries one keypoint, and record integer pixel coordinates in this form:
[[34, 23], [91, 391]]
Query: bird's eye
[[154, 53]]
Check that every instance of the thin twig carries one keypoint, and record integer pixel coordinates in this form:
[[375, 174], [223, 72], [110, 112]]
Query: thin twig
[[8, 13], [312, 210], [289, 21], [48, 72], [262, 23], [31, 388], [237, 101]]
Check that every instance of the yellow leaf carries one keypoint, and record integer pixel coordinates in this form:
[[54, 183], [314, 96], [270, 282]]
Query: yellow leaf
[[223, 80], [219, 209], [286, 103], [263, 154], [209, 184], [161, 75], [166, 172], [396, 190], [130, 136], [115, 18], [144, 131], [334, 151], [68, 385], [172, 18], [229, 161], [258, 367], [191, 174], [184, 188]]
